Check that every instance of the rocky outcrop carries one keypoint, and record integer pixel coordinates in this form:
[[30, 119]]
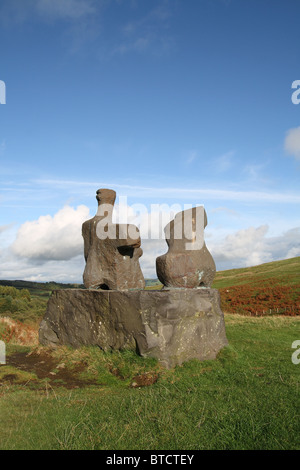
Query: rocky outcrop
[[173, 326]]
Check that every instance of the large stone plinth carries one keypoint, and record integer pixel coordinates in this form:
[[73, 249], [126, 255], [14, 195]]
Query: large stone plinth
[[171, 325]]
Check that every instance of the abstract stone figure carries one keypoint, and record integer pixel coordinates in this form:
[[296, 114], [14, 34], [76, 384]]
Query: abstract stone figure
[[116, 312], [188, 263], [111, 251]]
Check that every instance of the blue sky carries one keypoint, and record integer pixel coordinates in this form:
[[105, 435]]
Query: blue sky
[[165, 101]]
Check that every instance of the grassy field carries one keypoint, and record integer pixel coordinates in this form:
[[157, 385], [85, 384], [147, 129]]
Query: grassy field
[[87, 399], [288, 271], [248, 398]]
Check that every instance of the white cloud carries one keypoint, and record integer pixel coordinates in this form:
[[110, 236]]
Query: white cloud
[[14, 267], [52, 238], [225, 210], [179, 193], [3, 228], [20, 11], [292, 142], [257, 173], [65, 9], [250, 247], [191, 157], [151, 250], [224, 162], [147, 33], [244, 248], [51, 247], [79, 18], [59, 237], [293, 252]]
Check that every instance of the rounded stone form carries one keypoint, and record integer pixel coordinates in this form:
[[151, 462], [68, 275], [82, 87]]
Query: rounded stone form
[[186, 269]]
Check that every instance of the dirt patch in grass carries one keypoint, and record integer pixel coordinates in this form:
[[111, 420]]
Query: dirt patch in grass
[[10, 378], [45, 367], [144, 380]]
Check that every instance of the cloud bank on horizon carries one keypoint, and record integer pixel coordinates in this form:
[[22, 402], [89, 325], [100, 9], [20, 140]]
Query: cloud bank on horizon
[[52, 247], [164, 102]]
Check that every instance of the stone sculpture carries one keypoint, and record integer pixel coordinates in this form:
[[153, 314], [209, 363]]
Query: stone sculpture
[[111, 251], [188, 263], [173, 325]]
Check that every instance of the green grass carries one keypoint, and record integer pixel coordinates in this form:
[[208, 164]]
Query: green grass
[[248, 398], [287, 271], [41, 289], [20, 305]]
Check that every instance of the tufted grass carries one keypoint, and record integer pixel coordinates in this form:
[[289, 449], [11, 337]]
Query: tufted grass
[[248, 398]]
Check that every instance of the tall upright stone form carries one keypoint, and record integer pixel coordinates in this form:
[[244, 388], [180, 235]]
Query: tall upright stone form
[[182, 321], [111, 251]]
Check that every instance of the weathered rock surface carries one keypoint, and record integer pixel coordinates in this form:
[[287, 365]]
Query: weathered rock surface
[[111, 251], [188, 263], [173, 325]]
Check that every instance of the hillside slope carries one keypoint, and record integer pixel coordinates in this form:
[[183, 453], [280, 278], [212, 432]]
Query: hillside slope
[[270, 288], [39, 288], [287, 271]]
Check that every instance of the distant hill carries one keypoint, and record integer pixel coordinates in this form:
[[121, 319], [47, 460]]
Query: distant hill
[[286, 271], [267, 288], [44, 288], [153, 284], [40, 288]]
